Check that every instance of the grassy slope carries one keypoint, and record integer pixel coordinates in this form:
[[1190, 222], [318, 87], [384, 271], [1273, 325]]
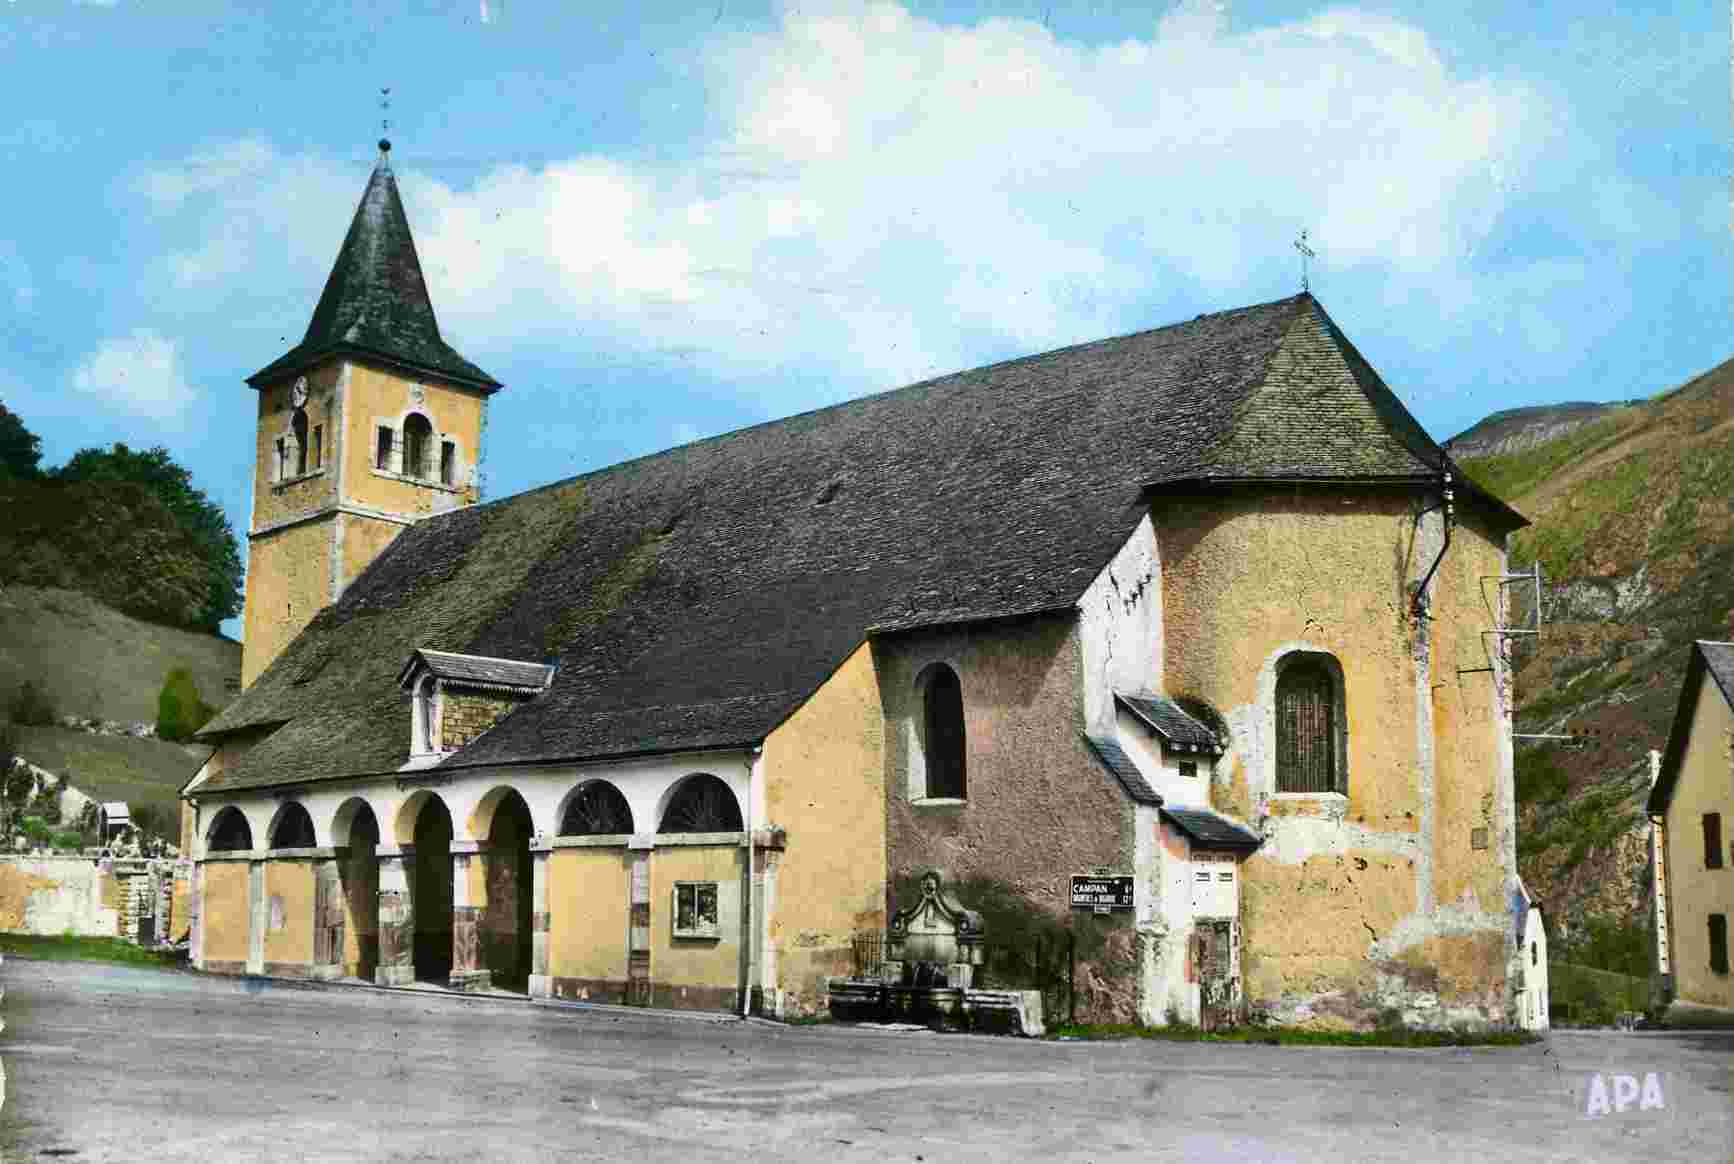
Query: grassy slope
[[1640, 498], [99, 663]]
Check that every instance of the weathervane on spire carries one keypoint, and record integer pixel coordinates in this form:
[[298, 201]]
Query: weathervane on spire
[[384, 122], [1306, 252]]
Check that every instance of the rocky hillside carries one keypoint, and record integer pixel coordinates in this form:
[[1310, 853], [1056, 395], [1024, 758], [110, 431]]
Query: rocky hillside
[[1633, 517]]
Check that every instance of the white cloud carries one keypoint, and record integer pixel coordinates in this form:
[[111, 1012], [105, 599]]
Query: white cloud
[[139, 373], [891, 197]]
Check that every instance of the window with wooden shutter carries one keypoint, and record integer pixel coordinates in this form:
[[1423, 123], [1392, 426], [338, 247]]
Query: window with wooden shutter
[[1712, 840], [1307, 718], [1719, 943]]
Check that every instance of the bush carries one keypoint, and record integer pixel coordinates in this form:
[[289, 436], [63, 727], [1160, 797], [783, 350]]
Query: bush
[[32, 706], [65, 839], [180, 711]]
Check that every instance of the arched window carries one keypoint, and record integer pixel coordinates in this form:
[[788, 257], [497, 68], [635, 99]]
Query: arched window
[[417, 444], [230, 832], [293, 828], [942, 734], [596, 809], [426, 717], [298, 425], [1309, 725], [702, 804]]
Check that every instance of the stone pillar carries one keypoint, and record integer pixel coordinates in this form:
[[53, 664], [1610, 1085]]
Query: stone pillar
[[396, 916], [258, 916], [541, 983], [468, 973], [195, 914]]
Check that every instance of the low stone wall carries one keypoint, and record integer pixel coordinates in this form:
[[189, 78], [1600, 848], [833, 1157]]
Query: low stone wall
[[131, 898]]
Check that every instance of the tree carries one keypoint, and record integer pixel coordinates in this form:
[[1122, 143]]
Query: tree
[[20, 449], [32, 706], [180, 711], [201, 518]]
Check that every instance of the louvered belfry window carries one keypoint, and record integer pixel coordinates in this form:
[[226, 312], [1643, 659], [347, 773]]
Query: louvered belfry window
[[1306, 729]]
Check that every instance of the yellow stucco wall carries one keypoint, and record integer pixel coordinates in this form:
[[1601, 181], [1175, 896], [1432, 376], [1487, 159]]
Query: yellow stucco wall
[[288, 582], [825, 765], [275, 500], [587, 906], [289, 912], [363, 539], [680, 962], [225, 915], [1249, 575], [1705, 783], [374, 397]]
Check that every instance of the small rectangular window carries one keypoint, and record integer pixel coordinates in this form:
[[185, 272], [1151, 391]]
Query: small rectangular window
[[448, 462], [695, 909], [282, 459], [382, 449], [1189, 767], [318, 452], [1201, 875], [1719, 943], [1712, 840]]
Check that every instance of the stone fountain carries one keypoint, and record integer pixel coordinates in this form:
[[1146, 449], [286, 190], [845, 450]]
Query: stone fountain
[[933, 955]]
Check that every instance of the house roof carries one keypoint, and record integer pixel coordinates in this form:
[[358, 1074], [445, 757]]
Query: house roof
[[692, 599], [477, 670], [1210, 830], [375, 304], [1115, 760], [1168, 720], [1707, 658]]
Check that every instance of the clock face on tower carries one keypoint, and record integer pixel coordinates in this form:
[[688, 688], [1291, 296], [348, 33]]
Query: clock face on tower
[[298, 394]]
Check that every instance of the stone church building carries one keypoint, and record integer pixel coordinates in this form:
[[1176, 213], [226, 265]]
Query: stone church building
[[1203, 607]]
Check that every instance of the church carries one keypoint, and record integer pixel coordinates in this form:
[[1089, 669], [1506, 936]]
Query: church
[[1202, 609]]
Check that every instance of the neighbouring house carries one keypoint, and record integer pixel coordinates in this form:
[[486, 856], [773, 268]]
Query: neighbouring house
[[1203, 607], [1692, 799]]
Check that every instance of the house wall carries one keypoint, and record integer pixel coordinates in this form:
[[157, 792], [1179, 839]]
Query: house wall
[[1374, 904], [823, 765], [1040, 806], [701, 973], [225, 915], [1704, 783]]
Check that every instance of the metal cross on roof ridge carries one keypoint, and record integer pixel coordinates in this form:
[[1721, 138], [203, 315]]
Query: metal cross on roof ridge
[[1306, 252]]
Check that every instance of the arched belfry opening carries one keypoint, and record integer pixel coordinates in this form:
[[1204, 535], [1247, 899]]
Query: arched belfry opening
[[417, 445], [431, 891]]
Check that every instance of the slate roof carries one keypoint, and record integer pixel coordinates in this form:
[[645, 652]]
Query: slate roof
[[1115, 760], [478, 670], [1209, 830], [692, 599], [1712, 659], [375, 302], [1167, 719]]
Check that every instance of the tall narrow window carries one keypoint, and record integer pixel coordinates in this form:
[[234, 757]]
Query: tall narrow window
[[282, 458], [1308, 727], [382, 448], [318, 452], [1712, 840], [417, 442], [448, 463], [942, 737], [1719, 943], [298, 425]]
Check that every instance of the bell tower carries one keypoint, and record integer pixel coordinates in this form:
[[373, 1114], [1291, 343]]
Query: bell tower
[[371, 423]]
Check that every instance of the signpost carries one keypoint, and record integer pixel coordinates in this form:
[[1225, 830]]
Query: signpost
[[1102, 894]]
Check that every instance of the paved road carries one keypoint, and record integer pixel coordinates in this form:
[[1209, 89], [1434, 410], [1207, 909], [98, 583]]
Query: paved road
[[110, 1063]]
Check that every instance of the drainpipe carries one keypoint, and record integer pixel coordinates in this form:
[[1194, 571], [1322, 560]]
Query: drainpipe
[[747, 916], [1419, 603]]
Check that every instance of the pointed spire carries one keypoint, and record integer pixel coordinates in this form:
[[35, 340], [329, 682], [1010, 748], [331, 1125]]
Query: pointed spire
[[375, 301]]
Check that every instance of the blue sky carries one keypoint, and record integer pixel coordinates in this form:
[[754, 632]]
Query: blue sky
[[658, 227]]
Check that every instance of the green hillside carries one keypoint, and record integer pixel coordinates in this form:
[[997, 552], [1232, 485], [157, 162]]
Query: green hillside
[[1632, 517]]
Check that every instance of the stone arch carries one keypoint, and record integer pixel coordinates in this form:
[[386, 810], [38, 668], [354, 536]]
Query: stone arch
[[229, 831], [941, 737], [355, 833], [594, 808], [291, 827], [504, 922], [481, 820], [700, 803], [355, 822], [427, 822]]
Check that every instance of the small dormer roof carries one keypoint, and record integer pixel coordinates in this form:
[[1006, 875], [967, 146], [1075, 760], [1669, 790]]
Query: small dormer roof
[[474, 671], [1178, 729]]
